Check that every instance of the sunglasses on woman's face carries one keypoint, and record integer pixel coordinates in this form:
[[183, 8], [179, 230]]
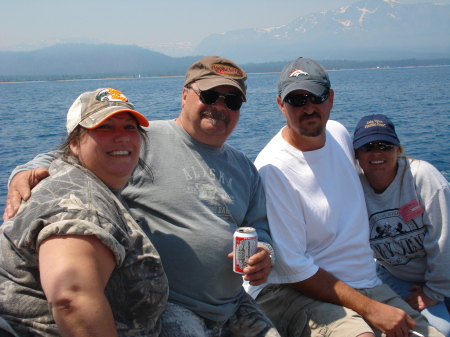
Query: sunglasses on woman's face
[[210, 97], [299, 100], [382, 146]]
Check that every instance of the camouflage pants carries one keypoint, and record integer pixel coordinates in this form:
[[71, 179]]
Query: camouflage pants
[[248, 321]]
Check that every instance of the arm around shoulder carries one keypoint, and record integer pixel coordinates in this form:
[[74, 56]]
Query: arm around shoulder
[[23, 178], [42, 160]]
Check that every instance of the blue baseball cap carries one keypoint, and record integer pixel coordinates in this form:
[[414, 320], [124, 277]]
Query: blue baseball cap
[[374, 128]]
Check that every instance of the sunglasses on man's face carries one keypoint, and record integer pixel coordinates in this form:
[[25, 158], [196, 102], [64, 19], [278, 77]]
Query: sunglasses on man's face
[[382, 146], [210, 97], [299, 100]]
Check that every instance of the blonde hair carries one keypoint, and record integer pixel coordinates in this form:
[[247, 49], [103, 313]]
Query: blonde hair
[[402, 150]]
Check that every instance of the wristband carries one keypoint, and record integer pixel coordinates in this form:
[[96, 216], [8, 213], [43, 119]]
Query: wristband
[[271, 252]]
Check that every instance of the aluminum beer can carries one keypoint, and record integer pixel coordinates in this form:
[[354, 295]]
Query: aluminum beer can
[[245, 242]]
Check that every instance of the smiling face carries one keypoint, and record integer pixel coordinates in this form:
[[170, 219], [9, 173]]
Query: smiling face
[[209, 124], [380, 167], [305, 125], [111, 150]]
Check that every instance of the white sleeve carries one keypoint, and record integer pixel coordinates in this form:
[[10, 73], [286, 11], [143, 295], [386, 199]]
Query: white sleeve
[[288, 229]]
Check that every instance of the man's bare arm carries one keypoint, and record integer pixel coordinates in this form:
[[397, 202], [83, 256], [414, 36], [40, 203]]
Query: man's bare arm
[[325, 287]]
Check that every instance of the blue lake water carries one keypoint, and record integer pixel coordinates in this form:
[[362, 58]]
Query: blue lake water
[[417, 100]]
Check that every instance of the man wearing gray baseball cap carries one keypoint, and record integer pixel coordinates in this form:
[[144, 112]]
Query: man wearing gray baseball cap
[[324, 282]]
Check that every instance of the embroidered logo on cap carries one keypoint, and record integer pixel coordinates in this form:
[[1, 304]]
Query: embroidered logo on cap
[[111, 95], [297, 73], [374, 122], [227, 70]]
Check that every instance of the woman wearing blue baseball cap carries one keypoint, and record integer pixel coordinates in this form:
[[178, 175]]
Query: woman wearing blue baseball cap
[[408, 204]]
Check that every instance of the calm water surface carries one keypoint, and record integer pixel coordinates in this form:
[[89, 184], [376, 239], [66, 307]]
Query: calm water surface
[[415, 99]]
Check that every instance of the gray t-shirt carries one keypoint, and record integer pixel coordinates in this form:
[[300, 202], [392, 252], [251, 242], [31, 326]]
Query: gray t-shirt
[[199, 196], [74, 201]]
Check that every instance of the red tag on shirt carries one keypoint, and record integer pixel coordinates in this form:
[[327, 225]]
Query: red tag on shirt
[[410, 210]]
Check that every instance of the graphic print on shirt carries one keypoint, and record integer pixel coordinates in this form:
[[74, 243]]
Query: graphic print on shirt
[[393, 240], [209, 185]]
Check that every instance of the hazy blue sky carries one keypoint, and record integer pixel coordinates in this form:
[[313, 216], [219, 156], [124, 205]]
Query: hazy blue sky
[[148, 21]]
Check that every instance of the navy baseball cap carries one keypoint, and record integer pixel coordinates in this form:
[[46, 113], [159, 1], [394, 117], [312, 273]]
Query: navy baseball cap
[[374, 128], [303, 74]]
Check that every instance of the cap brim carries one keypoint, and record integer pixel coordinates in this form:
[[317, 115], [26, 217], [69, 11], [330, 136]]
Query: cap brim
[[314, 88], [98, 118], [373, 138], [209, 83]]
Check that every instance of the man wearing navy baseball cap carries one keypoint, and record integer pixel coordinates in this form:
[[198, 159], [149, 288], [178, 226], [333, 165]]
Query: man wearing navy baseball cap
[[324, 281]]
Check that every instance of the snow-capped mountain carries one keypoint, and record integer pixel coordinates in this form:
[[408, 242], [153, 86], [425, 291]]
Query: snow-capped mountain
[[373, 29]]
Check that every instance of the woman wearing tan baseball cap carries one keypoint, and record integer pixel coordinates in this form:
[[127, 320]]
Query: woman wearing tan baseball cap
[[74, 262]]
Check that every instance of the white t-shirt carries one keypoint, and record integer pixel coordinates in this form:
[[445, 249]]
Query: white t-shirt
[[316, 212]]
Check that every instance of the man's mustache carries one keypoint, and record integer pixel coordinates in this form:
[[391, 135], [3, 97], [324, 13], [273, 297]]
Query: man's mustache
[[308, 116], [217, 115]]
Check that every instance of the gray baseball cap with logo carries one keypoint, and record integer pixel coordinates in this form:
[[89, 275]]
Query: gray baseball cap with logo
[[303, 74]]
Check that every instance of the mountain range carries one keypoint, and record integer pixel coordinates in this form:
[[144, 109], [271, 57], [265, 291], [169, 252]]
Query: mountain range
[[72, 59], [365, 30]]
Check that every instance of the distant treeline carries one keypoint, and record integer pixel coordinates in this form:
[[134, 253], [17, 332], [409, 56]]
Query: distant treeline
[[349, 64], [250, 68]]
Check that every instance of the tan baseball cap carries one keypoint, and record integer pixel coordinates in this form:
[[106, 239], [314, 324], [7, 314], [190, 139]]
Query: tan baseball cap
[[213, 71], [91, 108]]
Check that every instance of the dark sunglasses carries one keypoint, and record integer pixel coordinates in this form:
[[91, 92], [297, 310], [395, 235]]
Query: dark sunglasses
[[382, 146], [210, 97], [300, 99]]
